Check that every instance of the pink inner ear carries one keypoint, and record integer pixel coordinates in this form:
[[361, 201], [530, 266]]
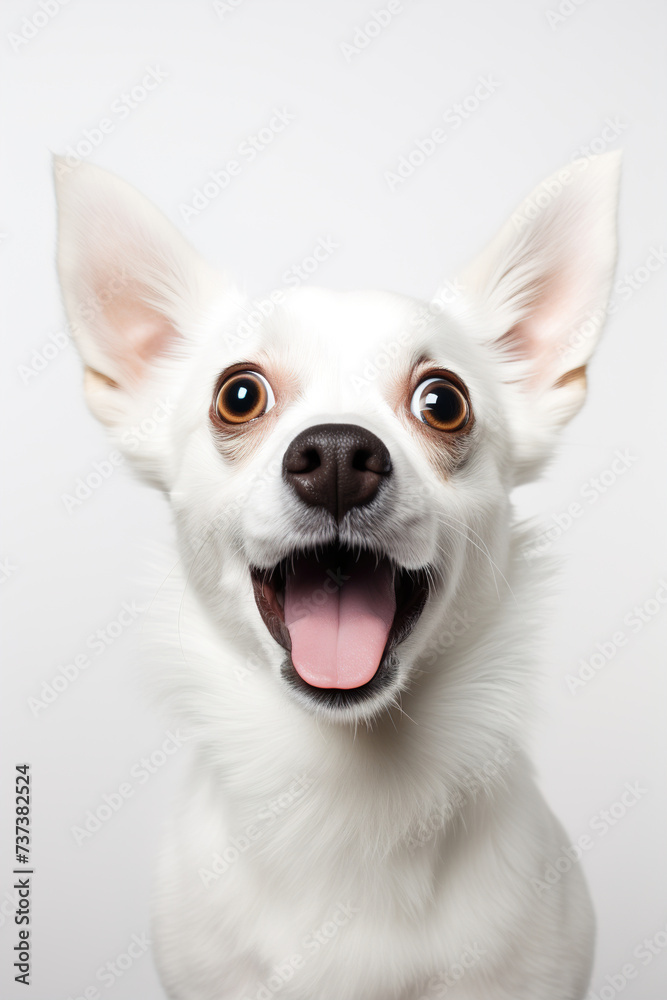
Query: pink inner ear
[[135, 332], [544, 331]]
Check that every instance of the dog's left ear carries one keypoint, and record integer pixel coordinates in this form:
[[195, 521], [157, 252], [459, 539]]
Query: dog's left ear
[[136, 294], [542, 288]]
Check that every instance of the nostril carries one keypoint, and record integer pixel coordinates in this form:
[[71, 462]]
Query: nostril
[[369, 460], [360, 458], [312, 460], [303, 461]]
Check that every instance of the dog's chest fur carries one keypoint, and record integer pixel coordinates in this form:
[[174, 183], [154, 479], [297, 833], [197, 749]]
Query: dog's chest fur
[[415, 858]]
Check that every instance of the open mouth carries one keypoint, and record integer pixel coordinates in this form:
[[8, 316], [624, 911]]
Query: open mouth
[[339, 612]]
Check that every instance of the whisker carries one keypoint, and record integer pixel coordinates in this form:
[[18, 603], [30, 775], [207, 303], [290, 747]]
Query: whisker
[[484, 551]]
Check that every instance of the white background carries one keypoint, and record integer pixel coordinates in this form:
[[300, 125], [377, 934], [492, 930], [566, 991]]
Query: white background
[[323, 176]]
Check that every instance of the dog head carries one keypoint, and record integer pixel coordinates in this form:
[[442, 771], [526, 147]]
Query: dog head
[[339, 464]]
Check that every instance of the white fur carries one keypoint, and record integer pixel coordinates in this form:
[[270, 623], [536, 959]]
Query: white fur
[[427, 893]]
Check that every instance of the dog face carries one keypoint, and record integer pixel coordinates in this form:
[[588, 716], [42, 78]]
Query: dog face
[[339, 464]]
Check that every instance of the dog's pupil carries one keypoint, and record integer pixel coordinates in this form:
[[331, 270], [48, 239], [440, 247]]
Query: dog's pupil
[[243, 395], [443, 403]]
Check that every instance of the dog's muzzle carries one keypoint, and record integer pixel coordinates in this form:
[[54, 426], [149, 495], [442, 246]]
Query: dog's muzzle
[[339, 609]]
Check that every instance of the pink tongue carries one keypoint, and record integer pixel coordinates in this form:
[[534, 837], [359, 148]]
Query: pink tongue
[[339, 632]]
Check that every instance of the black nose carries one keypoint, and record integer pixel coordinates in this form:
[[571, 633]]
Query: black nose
[[336, 466]]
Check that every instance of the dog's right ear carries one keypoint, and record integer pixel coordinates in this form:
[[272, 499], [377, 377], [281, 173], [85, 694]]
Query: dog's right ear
[[543, 286], [133, 287]]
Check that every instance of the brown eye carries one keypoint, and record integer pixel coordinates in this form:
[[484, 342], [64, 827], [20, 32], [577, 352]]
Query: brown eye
[[440, 404], [244, 396]]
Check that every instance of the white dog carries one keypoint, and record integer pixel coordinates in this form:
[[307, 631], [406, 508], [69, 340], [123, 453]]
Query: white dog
[[353, 629]]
